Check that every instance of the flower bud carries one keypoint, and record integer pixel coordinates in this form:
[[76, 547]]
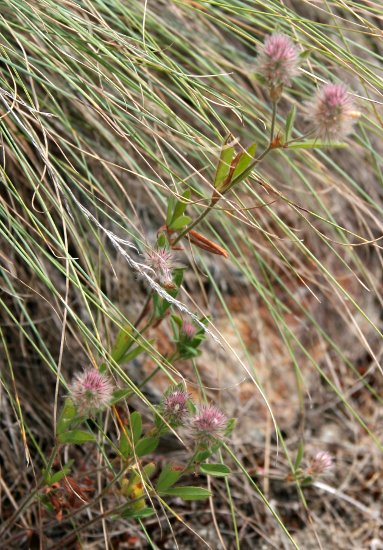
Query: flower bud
[[175, 406], [189, 330], [320, 463], [161, 262]]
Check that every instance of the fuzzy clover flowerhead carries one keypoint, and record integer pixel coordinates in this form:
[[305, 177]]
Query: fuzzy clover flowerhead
[[332, 112], [277, 61], [189, 330], [320, 463], [208, 423], [91, 392], [175, 406], [160, 260]]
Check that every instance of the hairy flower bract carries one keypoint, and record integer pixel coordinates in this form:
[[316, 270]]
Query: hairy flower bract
[[161, 262], [91, 391], [332, 112], [208, 423]]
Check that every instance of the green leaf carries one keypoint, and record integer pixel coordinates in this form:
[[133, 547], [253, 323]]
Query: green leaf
[[307, 481], [136, 425], [316, 144], [120, 394], [176, 323], [190, 352], [305, 54], [218, 470], [191, 406], [57, 476], [76, 437], [133, 354], [188, 493], [181, 206], [125, 446], [224, 163], [178, 320], [67, 415], [299, 456], [146, 445], [170, 210], [230, 426], [175, 212], [202, 455], [138, 514], [50, 478], [244, 161], [178, 275], [158, 422], [149, 469], [167, 478], [180, 222], [290, 119], [261, 79], [162, 241], [215, 446], [122, 343]]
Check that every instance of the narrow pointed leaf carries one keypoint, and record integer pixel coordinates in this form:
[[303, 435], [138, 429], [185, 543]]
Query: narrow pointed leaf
[[167, 478], [181, 206], [132, 354], [146, 445], [224, 163], [138, 514], [122, 343], [67, 415], [316, 144], [299, 456], [180, 222], [188, 493], [125, 446], [218, 470], [244, 161], [136, 426], [77, 437], [290, 123], [171, 205], [118, 395]]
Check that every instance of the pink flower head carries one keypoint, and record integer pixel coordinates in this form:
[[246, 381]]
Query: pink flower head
[[189, 330], [91, 392], [161, 262], [175, 406], [332, 112], [208, 423], [278, 60], [320, 463]]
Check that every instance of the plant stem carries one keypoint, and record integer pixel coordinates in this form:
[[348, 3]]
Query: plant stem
[[273, 119], [144, 309]]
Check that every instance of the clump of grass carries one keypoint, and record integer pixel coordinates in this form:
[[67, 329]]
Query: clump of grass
[[128, 217]]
